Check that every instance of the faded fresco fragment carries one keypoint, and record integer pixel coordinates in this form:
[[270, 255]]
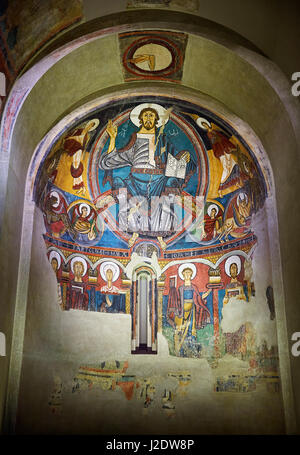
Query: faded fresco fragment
[[160, 391], [26, 26], [56, 397]]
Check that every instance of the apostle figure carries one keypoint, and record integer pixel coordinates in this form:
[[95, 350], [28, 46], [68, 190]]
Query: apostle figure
[[55, 261], [236, 342], [112, 301], [187, 310], [111, 273], [235, 287], [147, 154], [77, 296]]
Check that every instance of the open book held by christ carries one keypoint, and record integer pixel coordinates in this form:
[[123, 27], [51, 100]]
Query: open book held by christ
[[175, 168]]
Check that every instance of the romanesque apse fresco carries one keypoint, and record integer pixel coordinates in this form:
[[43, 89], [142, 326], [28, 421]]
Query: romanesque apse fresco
[[148, 206]]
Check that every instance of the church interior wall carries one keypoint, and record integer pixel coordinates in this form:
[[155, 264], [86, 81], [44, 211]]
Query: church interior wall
[[73, 337]]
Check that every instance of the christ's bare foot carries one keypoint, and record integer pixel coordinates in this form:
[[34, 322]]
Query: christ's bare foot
[[133, 239]]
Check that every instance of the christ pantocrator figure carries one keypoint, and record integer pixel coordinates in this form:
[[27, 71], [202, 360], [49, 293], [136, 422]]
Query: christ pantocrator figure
[[146, 154]]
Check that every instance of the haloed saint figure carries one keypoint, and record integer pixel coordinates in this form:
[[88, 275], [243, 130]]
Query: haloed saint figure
[[235, 287], [84, 223], [77, 296], [153, 180], [187, 310], [109, 272]]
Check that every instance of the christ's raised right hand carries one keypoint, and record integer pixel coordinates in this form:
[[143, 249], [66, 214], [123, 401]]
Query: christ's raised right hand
[[112, 129]]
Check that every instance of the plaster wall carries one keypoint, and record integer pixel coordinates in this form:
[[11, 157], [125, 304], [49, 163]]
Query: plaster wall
[[273, 26]]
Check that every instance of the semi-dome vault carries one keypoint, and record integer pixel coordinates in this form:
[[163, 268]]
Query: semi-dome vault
[[154, 180]]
